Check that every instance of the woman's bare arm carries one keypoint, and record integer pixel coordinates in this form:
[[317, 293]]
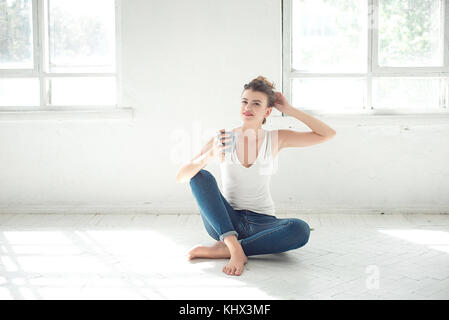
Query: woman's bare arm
[[296, 139], [320, 133], [317, 126], [190, 169]]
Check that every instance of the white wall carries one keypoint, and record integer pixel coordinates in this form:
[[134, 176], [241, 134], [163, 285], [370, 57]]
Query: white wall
[[184, 64]]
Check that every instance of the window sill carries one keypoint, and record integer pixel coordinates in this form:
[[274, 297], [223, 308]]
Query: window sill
[[410, 113], [357, 120], [67, 114]]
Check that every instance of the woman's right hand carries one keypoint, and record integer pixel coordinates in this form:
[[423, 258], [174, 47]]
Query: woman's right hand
[[218, 148]]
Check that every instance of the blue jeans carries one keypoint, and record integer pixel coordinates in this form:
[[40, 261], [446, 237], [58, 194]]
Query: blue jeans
[[257, 233]]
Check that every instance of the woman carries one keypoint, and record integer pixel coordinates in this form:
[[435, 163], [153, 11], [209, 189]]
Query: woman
[[242, 219]]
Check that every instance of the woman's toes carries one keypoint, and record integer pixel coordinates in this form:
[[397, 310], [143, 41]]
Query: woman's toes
[[238, 271], [193, 253]]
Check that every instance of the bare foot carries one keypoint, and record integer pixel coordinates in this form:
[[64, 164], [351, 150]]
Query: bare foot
[[220, 250], [235, 264], [217, 251]]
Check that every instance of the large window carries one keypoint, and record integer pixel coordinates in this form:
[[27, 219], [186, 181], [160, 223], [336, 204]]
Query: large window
[[366, 56], [58, 54]]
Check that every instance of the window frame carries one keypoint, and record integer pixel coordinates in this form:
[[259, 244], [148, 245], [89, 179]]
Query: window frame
[[40, 70], [373, 70]]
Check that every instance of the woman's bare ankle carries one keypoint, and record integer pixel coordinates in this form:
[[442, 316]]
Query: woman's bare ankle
[[238, 258], [235, 248], [233, 245]]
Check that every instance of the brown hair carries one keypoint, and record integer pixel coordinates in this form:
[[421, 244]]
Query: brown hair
[[261, 84]]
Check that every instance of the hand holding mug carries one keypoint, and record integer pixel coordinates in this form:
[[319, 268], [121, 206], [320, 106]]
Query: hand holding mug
[[221, 143]]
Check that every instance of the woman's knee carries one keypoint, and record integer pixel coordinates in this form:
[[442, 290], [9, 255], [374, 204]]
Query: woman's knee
[[301, 231], [200, 176]]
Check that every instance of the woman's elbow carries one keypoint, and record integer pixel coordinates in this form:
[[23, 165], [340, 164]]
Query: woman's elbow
[[332, 134], [179, 177]]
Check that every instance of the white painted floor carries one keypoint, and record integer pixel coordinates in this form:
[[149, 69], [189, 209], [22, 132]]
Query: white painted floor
[[140, 256]]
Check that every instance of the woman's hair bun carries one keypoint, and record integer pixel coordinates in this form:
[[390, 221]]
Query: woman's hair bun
[[265, 80]]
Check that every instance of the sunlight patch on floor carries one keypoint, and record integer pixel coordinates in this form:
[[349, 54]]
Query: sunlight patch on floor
[[438, 240], [111, 264]]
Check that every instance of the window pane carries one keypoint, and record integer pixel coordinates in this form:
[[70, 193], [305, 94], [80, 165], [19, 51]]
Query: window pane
[[332, 95], [19, 92], [410, 33], [82, 91], [82, 35], [407, 93], [329, 35], [16, 34]]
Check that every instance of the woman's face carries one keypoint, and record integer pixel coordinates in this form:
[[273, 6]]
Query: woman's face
[[254, 106]]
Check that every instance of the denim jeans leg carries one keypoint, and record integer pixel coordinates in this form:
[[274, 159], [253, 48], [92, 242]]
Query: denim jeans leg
[[210, 230], [286, 234], [213, 210]]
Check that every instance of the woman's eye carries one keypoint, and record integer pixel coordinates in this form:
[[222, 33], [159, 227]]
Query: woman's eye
[[258, 104]]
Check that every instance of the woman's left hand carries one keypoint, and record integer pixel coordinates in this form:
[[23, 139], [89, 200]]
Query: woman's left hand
[[281, 103]]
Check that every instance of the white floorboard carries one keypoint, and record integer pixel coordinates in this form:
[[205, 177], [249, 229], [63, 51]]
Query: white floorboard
[[141, 256]]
